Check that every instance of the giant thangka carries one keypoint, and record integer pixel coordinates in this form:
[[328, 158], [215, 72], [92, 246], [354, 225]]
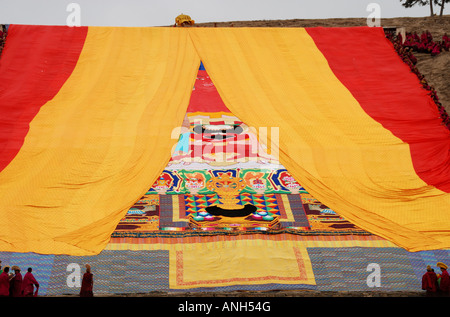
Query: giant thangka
[[288, 130], [215, 151]]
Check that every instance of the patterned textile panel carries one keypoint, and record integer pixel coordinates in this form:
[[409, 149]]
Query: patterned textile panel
[[174, 210], [335, 265], [142, 216], [114, 272], [339, 269], [299, 213], [258, 181]]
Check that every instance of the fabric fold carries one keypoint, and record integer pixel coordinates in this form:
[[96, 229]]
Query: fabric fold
[[98, 145], [279, 77], [34, 65]]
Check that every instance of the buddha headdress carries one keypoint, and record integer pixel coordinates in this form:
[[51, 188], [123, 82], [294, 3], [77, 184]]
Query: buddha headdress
[[184, 19]]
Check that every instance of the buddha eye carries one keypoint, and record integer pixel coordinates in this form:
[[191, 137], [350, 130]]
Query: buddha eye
[[238, 129], [198, 129]]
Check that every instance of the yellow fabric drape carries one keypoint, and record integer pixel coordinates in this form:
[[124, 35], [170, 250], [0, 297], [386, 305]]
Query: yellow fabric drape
[[271, 77], [98, 145]]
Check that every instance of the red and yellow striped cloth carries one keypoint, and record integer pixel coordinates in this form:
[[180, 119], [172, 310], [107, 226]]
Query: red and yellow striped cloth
[[87, 114]]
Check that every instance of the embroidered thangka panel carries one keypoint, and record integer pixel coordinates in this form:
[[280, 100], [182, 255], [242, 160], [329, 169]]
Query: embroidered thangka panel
[[214, 142]]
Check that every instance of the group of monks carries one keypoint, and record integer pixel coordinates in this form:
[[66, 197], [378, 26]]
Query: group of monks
[[436, 284], [425, 43], [87, 283], [406, 54], [13, 285]]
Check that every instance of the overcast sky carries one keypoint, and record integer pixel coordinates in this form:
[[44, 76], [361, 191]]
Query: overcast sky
[[163, 12]]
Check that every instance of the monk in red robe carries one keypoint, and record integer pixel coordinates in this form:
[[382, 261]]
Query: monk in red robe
[[429, 282], [87, 283], [4, 282], [15, 289], [28, 284], [436, 50], [444, 285]]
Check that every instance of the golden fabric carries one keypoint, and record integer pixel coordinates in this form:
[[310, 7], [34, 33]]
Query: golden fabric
[[277, 77], [95, 148]]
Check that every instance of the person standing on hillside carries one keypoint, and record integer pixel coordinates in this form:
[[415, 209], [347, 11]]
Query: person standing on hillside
[[429, 282], [4, 282], [28, 284], [87, 283], [16, 283], [444, 285]]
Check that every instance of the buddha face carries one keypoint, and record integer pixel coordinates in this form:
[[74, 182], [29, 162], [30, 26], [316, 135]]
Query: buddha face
[[220, 141]]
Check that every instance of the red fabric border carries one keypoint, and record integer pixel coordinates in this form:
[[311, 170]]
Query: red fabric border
[[368, 66], [205, 97], [35, 63]]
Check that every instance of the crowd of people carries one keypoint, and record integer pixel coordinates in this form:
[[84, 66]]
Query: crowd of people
[[14, 285], [436, 284], [405, 50], [425, 43]]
